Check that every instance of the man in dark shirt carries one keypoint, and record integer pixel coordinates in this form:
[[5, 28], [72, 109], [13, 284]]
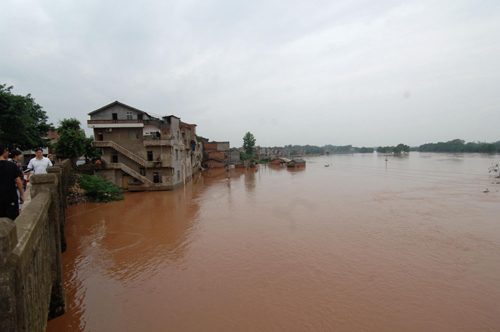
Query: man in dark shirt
[[10, 177]]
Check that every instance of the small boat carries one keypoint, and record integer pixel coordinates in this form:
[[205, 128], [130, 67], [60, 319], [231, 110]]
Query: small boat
[[327, 165]]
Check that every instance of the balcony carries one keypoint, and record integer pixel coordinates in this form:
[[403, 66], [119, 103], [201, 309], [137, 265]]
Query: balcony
[[148, 140], [115, 123]]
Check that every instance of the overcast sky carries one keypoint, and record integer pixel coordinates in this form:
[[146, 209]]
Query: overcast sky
[[365, 73]]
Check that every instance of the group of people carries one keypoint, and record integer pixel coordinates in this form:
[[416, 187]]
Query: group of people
[[12, 183]]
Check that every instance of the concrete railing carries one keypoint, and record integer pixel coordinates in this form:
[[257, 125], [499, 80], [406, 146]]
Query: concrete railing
[[31, 279]]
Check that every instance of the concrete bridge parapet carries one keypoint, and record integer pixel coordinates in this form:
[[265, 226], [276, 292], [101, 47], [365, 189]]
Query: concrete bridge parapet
[[31, 279]]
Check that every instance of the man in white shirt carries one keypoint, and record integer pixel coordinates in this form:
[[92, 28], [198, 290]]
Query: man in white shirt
[[38, 164]]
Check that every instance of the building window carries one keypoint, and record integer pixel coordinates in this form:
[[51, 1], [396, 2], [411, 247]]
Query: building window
[[129, 115], [139, 116], [176, 154], [114, 157], [134, 134], [150, 155], [114, 116], [178, 175], [156, 177]]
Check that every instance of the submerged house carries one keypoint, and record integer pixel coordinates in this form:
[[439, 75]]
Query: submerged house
[[143, 152], [217, 154], [296, 162], [280, 161]]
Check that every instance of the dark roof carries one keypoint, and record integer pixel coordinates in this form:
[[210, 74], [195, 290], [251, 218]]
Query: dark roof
[[117, 103], [216, 159], [286, 160], [298, 160]]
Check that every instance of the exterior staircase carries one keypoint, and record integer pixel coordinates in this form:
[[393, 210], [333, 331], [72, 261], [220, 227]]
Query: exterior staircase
[[123, 151], [129, 171]]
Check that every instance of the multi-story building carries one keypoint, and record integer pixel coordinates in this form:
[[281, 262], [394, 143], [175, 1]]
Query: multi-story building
[[143, 152]]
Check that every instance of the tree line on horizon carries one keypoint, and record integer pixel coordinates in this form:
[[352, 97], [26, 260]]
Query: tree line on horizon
[[456, 145], [459, 145]]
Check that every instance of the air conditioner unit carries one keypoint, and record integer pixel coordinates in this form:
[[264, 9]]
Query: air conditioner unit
[[109, 130]]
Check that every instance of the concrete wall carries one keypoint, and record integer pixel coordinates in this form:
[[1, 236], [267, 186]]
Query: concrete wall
[[234, 157], [214, 164], [121, 136], [31, 284], [178, 164], [212, 146], [216, 155], [222, 146]]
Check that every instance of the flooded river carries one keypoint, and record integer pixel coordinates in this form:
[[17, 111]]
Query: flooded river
[[411, 244]]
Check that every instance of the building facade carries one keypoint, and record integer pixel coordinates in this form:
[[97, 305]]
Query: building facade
[[216, 154], [143, 152]]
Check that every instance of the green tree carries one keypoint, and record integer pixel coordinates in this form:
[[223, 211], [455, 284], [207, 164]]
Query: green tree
[[23, 122], [487, 148], [249, 143], [366, 150], [71, 142], [385, 149], [91, 154], [401, 148]]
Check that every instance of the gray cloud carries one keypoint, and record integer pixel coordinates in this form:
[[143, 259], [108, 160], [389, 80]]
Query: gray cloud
[[291, 72]]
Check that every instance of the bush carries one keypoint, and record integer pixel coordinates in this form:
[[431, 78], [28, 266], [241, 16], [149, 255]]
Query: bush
[[99, 189]]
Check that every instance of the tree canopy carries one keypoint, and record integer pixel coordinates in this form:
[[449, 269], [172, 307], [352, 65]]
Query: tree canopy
[[366, 150], [23, 123], [458, 145], [249, 143], [71, 143]]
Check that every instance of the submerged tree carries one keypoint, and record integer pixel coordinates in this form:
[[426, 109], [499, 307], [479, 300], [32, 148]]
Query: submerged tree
[[401, 148], [249, 143], [23, 123]]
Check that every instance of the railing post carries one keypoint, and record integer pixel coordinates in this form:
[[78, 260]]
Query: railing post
[[49, 183], [57, 171]]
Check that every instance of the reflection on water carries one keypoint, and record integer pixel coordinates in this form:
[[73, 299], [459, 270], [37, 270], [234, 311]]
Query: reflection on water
[[409, 244]]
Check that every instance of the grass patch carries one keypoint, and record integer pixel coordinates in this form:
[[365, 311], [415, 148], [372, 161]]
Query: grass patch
[[98, 189]]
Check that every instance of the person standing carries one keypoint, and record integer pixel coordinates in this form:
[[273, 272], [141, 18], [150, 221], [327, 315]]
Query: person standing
[[10, 177], [15, 156], [51, 158], [38, 164]]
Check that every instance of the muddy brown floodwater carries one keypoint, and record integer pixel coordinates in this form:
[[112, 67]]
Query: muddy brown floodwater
[[411, 244]]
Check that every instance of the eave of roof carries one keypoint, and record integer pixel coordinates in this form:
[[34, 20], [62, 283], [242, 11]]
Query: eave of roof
[[118, 103], [168, 116]]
